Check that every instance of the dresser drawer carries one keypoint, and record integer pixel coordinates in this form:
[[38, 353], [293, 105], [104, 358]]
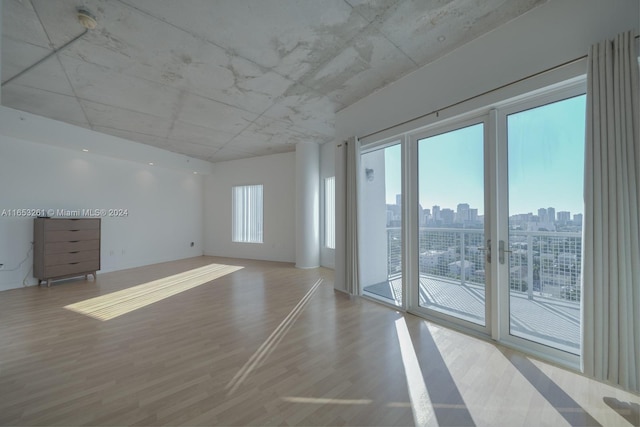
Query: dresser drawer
[[63, 247], [71, 235], [68, 269], [72, 224], [70, 257]]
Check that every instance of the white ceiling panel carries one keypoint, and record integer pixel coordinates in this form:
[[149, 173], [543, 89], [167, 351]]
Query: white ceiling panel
[[24, 24], [17, 56], [143, 138], [125, 120], [226, 79], [41, 102], [198, 135], [205, 112], [106, 86]]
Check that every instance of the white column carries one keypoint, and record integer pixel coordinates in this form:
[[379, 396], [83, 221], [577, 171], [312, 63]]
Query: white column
[[307, 205]]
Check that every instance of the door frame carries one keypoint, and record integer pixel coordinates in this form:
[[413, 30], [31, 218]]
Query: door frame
[[500, 223], [496, 327], [440, 128]]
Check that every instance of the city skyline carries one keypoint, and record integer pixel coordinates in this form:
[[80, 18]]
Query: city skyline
[[557, 213], [545, 156]]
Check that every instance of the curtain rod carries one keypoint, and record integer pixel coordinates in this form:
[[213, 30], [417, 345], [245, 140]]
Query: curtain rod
[[481, 94]]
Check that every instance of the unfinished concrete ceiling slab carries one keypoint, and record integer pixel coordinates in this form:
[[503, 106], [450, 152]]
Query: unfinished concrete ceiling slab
[[227, 79]]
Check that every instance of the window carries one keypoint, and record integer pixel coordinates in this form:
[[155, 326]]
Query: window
[[545, 143], [330, 212], [494, 230], [247, 214]]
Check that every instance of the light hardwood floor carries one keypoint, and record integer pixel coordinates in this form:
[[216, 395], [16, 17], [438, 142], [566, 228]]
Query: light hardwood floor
[[269, 344]]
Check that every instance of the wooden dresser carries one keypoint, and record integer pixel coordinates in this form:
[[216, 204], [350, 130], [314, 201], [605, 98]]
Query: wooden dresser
[[65, 247]]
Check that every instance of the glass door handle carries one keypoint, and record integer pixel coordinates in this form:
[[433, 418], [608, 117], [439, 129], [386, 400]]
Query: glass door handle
[[487, 250], [501, 251]]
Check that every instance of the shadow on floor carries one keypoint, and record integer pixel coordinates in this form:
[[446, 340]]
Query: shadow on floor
[[448, 405], [570, 410], [627, 410]]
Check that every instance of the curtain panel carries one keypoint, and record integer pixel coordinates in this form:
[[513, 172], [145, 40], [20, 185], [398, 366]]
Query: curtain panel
[[346, 208], [611, 245]]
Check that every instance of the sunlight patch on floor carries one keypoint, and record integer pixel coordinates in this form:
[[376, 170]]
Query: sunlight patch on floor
[[423, 414], [267, 347], [326, 401], [116, 304]]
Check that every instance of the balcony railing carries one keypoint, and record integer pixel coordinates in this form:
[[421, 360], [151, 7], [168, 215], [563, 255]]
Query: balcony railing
[[541, 263], [544, 277]]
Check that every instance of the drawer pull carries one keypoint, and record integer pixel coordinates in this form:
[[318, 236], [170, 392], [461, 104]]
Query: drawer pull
[[74, 230], [74, 241], [74, 252], [74, 263]]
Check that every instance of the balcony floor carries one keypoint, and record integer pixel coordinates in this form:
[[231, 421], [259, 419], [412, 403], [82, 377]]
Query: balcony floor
[[549, 321]]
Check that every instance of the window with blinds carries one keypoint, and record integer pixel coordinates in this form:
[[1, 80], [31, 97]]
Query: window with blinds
[[247, 214], [330, 212]]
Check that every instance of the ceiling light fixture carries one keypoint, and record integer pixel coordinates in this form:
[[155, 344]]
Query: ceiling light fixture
[[86, 18], [150, 163], [441, 38], [85, 150]]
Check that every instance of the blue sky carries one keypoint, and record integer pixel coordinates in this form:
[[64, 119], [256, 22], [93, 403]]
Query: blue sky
[[546, 162]]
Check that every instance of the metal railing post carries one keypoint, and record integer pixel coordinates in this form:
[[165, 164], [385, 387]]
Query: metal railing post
[[462, 259], [389, 254], [530, 265]]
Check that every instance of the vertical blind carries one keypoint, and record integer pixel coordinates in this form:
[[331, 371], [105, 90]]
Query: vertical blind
[[330, 212], [247, 214]]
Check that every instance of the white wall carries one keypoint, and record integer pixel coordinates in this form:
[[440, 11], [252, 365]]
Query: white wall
[[277, 174], [164, 205], [372, 220], [549, 35], [327, 169]]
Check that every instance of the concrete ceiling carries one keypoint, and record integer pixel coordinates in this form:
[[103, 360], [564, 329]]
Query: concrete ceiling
[[226, 79]]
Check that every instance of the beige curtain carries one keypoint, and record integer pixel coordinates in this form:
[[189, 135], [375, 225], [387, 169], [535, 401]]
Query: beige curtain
[[611, 247], [351, 231], [346, 204]]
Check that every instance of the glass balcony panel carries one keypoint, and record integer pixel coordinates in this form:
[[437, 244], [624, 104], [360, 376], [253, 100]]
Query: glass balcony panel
[[546, 168], [451, 243]]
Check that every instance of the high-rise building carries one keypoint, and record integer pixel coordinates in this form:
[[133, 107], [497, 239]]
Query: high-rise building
[[551, 215], [542, 215], [436, 212], [564, 217], [577, 219], [399, 199], [473, 216], [462, 213], [447, 215]]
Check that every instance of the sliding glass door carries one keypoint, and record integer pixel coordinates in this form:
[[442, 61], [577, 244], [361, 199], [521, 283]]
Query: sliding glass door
[[481, 225], [541, 242], [451, 227]]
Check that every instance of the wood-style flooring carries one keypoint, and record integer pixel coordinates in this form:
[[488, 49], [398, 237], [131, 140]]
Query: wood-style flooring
[[268, 344]]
